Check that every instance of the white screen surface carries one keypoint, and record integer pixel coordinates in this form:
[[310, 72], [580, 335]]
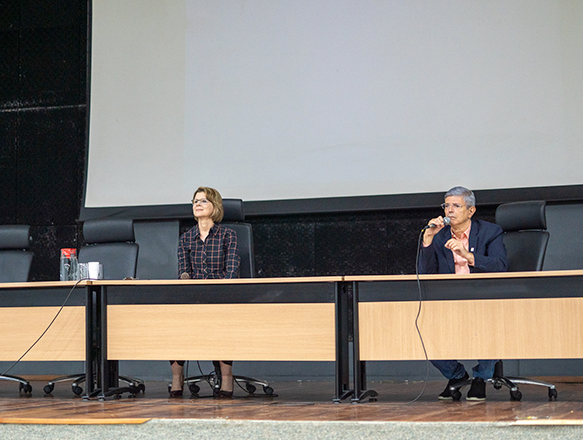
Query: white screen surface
[[292, 99]]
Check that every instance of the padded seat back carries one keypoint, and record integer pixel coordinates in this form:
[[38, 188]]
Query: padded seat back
[[234, 218], [525, 234], [111, 243], [15, 259]]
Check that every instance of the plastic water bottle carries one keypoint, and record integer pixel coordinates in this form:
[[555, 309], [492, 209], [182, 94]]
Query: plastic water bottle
[[69, 267], [74, 267]]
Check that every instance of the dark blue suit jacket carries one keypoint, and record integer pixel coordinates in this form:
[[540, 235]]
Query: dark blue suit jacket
[[485, 243]]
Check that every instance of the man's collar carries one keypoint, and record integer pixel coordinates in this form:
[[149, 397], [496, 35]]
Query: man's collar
[[466, 233]]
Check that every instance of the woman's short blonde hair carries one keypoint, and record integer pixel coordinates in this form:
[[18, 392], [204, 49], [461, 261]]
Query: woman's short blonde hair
[[213, 196]]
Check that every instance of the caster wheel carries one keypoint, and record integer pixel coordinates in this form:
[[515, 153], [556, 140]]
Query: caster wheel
[[141, 388], [77, 390], [268, 390], [457, 395], [515, 395], [194, 388], [553, 394], [116, 396], [250, 388], [25, 388], [48, 389]]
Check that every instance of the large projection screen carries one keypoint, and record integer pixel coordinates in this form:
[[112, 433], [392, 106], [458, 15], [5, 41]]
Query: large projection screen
[[270, 100]]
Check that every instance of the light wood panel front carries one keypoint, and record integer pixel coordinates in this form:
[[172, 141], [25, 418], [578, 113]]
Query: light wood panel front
[[541, 328], [268, 332], [20, 327]]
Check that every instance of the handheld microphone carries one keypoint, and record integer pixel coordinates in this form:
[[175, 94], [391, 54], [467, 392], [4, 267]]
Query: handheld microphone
[[446, 221]]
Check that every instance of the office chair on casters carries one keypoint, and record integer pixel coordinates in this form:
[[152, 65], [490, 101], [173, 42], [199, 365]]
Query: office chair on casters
[[111, 243], [15, 262], [233, 219], [526, 239]]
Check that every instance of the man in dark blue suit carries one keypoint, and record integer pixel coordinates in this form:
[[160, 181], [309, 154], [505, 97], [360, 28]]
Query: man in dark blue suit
[[456, 243]]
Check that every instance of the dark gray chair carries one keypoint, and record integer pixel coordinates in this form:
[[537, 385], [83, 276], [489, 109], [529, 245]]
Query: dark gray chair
[[15, 263], [525, 239], [110, 242], [525, 234], [234, 218], [15, 258]]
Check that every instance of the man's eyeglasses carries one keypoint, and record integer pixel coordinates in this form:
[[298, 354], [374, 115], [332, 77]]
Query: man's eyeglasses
[[455, 206], [203, 202]]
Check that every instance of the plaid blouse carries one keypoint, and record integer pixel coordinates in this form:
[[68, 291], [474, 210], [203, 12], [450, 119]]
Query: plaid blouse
[[216, 257]]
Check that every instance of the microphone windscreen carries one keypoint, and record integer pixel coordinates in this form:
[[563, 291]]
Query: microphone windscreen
[[446, 221], [184, 276]]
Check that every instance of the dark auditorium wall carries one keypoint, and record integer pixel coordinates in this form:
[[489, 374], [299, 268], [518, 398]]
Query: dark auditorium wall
[[383, 242], [43, 109], [43, 122]]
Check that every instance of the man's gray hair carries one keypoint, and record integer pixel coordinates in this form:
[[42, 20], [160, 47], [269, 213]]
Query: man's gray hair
[[468, 195]]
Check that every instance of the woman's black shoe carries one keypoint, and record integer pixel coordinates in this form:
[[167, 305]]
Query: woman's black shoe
[[177, 393]]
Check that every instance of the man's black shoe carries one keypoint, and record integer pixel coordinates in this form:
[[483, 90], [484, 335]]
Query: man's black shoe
[[477, 390], [446, 395]]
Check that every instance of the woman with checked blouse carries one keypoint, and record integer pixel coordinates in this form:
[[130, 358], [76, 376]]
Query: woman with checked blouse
[[207, 251]]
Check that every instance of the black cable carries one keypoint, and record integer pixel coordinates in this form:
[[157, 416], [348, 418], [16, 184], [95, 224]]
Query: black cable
[[417, 317], [47, 329], [417, 323], [206, 376]]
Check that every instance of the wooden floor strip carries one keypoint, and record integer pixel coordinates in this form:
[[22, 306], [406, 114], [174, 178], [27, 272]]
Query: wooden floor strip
[[73, 421], [297, 401]]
